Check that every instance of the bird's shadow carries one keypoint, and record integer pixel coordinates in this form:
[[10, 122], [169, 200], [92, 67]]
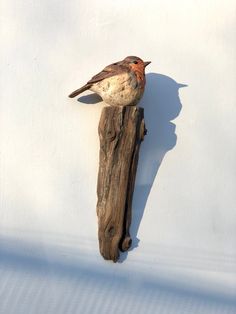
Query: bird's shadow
[[161, 105], [90, 99]]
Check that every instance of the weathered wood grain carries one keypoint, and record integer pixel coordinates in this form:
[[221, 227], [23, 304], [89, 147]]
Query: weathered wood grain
[[121, 130]]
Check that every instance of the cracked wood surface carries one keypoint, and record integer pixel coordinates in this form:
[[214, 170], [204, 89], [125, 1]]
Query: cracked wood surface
[[121, 130]]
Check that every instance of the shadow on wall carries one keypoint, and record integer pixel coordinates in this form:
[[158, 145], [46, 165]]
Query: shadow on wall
[[162, 104], [90, 99]]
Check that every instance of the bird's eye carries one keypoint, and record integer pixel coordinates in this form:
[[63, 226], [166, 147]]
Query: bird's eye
[[135, 62]]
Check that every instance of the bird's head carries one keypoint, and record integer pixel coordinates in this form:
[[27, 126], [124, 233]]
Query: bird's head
[[136, 64]]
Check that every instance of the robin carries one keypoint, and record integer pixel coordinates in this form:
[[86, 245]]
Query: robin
[[119, 84]]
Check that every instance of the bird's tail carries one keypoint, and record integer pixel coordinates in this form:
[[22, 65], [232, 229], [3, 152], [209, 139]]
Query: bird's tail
[[80, 90]]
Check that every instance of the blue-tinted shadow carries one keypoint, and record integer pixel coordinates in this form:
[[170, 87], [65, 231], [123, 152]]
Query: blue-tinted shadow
[[161, 105]]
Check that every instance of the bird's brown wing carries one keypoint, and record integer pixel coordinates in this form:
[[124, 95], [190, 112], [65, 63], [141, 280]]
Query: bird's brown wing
[[80, 90], [110, 70]]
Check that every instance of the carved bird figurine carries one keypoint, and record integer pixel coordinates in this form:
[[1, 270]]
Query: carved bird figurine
[[119, 84]]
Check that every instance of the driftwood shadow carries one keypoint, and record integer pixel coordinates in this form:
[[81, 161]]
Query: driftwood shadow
[[161, 104]]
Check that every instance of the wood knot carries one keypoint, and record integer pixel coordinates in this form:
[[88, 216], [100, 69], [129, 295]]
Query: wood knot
[[110, 232], [110, 135], [125, 244]]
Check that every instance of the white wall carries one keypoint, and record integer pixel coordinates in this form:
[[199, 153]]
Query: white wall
[[185, 200]]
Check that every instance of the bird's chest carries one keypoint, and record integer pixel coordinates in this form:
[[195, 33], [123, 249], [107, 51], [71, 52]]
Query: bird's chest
[[122, 90]]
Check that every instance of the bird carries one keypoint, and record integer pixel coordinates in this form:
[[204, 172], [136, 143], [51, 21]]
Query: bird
[[119, 84]]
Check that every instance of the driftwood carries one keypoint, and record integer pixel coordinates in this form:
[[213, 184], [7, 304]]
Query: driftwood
[[121, 130]]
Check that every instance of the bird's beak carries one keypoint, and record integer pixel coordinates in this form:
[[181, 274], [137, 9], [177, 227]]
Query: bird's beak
[[146, 63]]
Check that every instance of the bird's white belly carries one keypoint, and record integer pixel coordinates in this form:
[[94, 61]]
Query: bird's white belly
[[119, 90]]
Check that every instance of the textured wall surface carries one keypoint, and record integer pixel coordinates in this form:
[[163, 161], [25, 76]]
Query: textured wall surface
[[184, 221]]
